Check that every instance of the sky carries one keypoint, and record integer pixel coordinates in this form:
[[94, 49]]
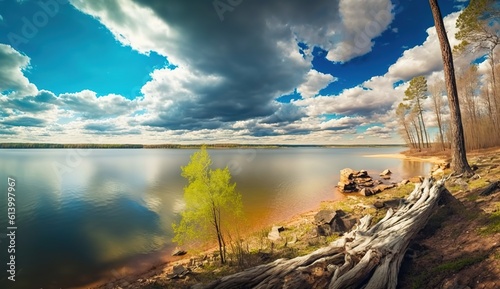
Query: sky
[[213, 71]]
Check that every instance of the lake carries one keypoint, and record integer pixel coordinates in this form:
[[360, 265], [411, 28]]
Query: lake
[[88, 215]]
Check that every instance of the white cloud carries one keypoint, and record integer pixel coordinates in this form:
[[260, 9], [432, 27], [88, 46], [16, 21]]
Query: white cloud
[[314, 82], [12, 67], [362, 21], [425, 58]]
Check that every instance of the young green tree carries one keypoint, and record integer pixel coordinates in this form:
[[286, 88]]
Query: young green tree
[[212, 203], [415, 94]]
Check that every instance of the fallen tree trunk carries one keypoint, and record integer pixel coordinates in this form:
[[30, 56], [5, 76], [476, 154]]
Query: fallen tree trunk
[[367, 257]]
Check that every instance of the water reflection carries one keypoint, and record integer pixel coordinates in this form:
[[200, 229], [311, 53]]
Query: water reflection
[[113, 212]]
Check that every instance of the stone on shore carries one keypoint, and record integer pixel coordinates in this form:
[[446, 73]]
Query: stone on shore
[[274, 234], [386, 172], [329, 221]]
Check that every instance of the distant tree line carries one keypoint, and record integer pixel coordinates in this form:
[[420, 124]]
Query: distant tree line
[[479, 95]]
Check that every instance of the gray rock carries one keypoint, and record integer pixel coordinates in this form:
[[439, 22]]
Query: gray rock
[[324, 217], [386, 172], [366, 192]]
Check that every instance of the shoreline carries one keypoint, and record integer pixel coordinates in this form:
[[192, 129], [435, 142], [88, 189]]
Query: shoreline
[[305, 216], [431, 159]]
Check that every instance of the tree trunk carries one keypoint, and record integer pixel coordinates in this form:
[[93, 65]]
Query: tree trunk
[[459, 162], [366, 257]]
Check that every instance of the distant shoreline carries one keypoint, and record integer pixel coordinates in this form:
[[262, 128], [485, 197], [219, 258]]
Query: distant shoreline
[[431, 159], [180, 146]]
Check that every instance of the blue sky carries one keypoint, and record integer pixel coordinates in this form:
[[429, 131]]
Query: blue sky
[[151, 71]]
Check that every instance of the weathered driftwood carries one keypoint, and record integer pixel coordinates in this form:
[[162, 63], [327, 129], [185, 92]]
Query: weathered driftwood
[[367, 257]]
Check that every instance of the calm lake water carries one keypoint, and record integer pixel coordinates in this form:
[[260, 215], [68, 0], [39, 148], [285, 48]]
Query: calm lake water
[[89, 215]]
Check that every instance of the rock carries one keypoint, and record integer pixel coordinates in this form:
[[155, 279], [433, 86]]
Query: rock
[[386, 172], [178, 252], [381, 188], [403, 182], [329, 221], [349, 223], [386, 177], [474, 167], [324, 217], [415, 180], [378, 204], [346, 175], [366, 192], [347, 187], [274, 234], [178, 271], [361, 174]]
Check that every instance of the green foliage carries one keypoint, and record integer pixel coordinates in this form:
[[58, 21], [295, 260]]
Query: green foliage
[[478, 25], [416, 92], [213, 206]]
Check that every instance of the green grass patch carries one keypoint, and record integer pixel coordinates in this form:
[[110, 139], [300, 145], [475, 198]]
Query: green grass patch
[[445, 269], [492, 223], [479, 183]]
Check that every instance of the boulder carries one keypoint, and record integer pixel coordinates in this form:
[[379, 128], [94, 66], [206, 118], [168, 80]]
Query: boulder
[[274, 234], [380, 188], [179, 270], [386, 177], [329, 221], [178, 252], [378, 204], [362, 174], [347, 187], [403, 182], [366, 192], [324, 217], [416, 180], [386, 172], [346, 175]]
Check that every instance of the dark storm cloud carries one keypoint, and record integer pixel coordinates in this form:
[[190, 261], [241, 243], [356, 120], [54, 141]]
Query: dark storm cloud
[[24, 121], [253, 51], [243, 50]]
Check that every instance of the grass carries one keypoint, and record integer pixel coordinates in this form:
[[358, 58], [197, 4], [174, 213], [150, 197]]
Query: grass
[[445, 269], [493, 223]]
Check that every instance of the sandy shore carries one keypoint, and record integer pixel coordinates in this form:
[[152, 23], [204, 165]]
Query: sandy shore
[[433, 159]]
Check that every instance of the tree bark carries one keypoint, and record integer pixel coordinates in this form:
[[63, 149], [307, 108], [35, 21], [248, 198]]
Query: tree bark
[[459, 162], [367, 257]]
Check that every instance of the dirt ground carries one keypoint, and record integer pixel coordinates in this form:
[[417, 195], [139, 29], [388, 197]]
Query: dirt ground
[[460, 246]]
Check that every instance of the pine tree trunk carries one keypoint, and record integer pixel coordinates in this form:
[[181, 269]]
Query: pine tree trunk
[[459, 162]]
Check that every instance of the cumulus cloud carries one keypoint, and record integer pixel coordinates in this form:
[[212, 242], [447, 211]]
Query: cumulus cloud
[[362, 21], [233, 70], [87, 105], [425, 58], [314, 82], [12, 66]]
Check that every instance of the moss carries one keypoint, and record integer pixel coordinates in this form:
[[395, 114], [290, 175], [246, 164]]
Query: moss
[[479, 183], [492, 223], [445, 269]]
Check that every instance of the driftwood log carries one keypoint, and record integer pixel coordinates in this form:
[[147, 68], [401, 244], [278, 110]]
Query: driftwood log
[[367, 257], [490, 189]]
